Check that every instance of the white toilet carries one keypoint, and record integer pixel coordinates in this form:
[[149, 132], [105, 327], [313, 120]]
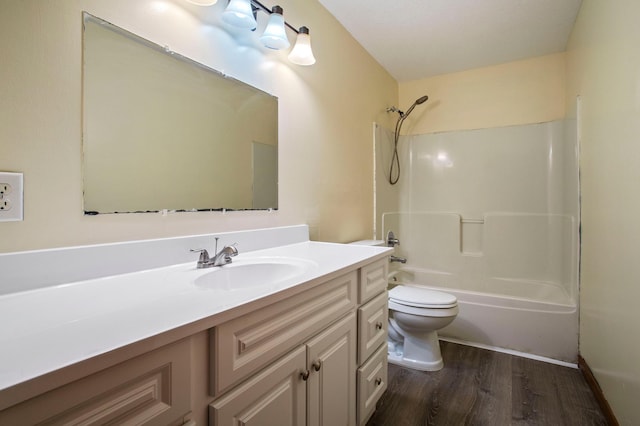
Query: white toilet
[[415, 316]]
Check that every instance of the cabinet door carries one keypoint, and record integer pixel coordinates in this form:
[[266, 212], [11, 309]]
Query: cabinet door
[[276, 396], [331, 360]]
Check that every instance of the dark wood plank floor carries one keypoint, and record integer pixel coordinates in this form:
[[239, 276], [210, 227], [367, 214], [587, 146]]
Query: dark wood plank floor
[[482, 387]]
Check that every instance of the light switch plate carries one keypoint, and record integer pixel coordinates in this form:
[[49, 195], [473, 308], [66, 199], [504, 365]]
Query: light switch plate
[[11, 196]]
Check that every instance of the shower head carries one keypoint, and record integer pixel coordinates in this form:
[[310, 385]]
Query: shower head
[[418, 101]]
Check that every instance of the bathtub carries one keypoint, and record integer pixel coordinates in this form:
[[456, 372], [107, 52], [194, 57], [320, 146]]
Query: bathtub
[[526, 327]]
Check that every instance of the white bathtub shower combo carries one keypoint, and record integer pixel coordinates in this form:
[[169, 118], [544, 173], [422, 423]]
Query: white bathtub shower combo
[[491, 217]]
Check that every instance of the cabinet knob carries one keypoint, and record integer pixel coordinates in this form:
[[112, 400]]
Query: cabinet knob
[[378, 381], [379, 325], [317, 365], [304, 375]]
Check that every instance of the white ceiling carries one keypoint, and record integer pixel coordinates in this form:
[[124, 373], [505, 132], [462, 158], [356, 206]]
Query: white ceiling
[[414, 39]]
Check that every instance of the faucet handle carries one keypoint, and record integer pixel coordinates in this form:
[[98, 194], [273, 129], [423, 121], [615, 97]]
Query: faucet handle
[[204, 255], [233, 251], [392, 241]]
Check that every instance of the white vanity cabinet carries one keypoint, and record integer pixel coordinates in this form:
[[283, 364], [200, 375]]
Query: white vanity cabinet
[[298, 352], [373, 315], [314, 383], [317, 358], [242, 346]]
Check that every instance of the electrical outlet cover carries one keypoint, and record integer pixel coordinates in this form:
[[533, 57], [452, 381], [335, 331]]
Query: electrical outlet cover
[[11, 196]]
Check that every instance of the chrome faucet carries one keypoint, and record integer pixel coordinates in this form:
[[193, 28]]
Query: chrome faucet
[[221, 258], [397, 259]]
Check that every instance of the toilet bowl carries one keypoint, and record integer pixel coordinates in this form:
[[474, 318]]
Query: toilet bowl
[[415, 316]]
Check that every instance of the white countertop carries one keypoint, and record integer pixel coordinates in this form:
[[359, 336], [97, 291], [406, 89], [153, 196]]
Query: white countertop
[[46, 329]]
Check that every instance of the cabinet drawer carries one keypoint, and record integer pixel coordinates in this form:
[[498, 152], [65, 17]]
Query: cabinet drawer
[[373, 280], [152, 389], [372, 382], [242, 346], [372, 326]]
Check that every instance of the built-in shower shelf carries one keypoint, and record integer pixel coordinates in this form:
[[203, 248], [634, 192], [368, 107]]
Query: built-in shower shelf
[[471, 236], [476, 221]]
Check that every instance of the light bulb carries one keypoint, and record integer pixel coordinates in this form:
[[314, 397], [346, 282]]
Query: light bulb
[[239, 13], [301, 54], [274, 36]]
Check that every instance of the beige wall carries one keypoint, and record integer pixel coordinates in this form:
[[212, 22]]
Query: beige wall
[[325, 129], [522, 92], [603, 63]]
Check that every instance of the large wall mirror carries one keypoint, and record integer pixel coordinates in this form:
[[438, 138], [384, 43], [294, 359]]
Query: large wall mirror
[[164, 132]]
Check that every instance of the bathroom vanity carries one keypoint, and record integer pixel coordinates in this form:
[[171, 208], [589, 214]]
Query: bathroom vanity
[[293, 332]]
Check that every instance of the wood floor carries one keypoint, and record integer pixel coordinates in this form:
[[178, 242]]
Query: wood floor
[[481, 387]]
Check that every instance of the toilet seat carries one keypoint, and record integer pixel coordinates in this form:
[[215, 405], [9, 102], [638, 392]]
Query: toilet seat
[[417, 297]]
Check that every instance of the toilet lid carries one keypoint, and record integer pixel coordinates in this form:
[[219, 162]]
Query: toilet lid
[[422, 297]]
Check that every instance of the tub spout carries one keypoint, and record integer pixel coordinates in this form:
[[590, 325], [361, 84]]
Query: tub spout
[[397, 259]]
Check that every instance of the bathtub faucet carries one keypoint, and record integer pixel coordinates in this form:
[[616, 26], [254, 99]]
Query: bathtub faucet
[[397, 259]]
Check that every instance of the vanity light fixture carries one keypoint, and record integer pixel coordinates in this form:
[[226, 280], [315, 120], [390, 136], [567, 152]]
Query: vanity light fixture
[[243, 14]]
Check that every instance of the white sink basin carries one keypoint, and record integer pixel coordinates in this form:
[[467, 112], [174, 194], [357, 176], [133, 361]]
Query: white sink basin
[[254, 273]]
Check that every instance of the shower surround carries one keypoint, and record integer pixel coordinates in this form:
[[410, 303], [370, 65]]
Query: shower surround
[[492, 216]]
